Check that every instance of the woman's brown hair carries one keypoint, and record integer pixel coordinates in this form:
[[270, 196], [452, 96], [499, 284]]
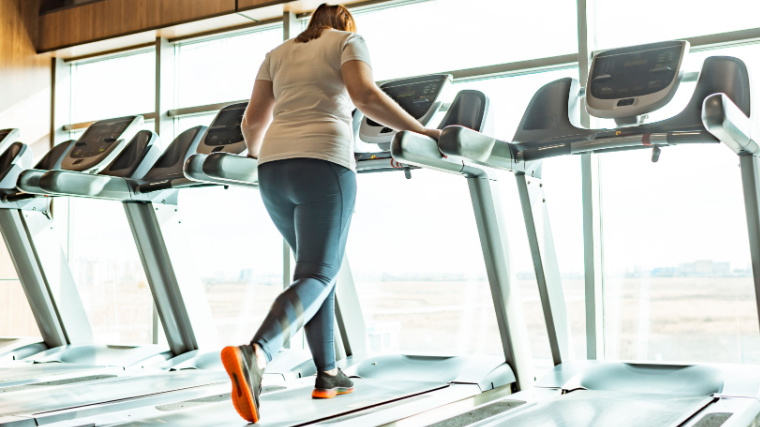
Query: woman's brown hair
[[326, 17]]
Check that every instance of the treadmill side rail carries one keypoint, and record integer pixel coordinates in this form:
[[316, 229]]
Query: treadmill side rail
[[420, 150]]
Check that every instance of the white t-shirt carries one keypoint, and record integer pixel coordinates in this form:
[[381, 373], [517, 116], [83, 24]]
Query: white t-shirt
[[312, 110]]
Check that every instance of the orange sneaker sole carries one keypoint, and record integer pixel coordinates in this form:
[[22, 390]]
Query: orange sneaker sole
[[319, 393], [242, 397]]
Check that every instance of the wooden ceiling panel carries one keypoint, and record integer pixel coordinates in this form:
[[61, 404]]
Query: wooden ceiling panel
[[112, 18]]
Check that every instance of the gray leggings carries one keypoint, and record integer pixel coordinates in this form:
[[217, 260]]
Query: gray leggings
[[310, 202]]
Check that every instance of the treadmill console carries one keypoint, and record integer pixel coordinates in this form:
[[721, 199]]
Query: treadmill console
[[8, 137], [418, 96], [628, 82], [101, 143], [224, 135]]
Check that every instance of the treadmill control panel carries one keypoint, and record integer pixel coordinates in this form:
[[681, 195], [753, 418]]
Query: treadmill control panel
[[628, 82], [8, 137], [418, 96], [225, 134], [100, 143]]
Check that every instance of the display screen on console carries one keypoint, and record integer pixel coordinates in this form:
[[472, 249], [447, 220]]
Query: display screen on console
[[99, 137], [634, 74], [415, 96], [226, 128]]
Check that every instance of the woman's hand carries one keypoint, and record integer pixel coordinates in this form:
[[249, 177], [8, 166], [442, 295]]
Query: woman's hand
[[433, 133]]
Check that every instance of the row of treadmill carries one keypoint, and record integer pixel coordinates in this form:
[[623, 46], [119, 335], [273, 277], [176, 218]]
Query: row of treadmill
[[66, 380]]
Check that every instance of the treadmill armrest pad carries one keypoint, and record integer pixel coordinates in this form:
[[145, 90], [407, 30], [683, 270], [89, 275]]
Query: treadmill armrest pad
[[85, 185], [420, 150], [29, 181], [232, 168], [728, 123], [464, 143]]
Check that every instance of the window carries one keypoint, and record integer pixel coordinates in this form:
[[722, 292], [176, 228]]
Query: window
[[443, 35], [630, 23], [418, 266], [114, 87], [238, 256], [185, 123], [677, 273], [222, 69], [17, 319], [108, 273]]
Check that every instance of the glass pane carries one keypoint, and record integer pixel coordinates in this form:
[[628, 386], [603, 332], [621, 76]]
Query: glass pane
[[678, 282], [678, 278], [113, 87], [186, 123], [663, 20], [17, 319], [109, 274], [418, 266], [240, 262], [223, 69], [563, 195], [445, 35]]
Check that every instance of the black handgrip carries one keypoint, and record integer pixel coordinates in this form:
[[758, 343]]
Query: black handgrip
[[155, 186], [16, 197]]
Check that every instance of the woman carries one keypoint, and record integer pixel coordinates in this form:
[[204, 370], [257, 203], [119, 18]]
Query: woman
[[307, 179]]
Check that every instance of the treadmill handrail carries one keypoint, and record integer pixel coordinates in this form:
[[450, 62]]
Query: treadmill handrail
[[69, 183], [462, 143], [723, 118], [223, 169], [420, 150], [29, 182]]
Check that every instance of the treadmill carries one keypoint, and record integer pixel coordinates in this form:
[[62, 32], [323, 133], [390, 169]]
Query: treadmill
[[149, 198], [9, 344], [8, 137], [27, 227], [390, 386], [625, 85]]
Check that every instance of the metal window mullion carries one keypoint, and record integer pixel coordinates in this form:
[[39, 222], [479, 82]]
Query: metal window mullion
[[591, 199], [60, 111], [165, 83], [290, 25]]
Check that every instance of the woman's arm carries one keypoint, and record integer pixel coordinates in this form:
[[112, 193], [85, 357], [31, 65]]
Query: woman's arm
[[375, 103], [257, 116]]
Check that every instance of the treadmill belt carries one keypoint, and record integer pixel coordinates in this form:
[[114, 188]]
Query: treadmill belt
[[294, 406], [22, 370], [479, 414], [607, 408], [32, 402], [715, 419], [38, 385]]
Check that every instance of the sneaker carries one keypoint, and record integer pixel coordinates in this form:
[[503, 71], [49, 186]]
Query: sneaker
[[241, 366], [328, 386]]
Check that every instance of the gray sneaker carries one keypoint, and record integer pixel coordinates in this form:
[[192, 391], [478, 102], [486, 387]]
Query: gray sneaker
[[328, 386], [241, 366]]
